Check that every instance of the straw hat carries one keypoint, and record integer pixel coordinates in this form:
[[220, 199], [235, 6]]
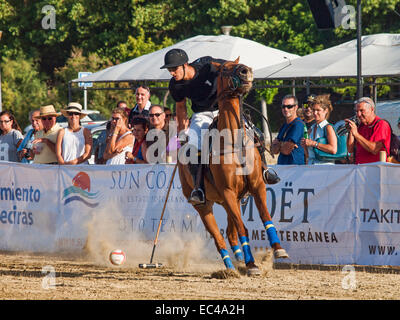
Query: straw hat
[[48, 111], [73, 107]]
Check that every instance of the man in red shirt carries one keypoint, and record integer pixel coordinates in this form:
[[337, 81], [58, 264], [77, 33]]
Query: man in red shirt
[[371, 136]]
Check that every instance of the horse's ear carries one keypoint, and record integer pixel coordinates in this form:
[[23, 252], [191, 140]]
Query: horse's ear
[[237, 60], [216, 65]]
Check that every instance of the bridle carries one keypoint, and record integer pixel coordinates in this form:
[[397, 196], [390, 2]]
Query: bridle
[[235, 81]]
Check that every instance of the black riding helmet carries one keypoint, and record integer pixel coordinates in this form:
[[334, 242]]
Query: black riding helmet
[[175, 58]]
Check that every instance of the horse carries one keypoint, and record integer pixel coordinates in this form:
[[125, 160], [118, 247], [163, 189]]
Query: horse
[[228, 181]]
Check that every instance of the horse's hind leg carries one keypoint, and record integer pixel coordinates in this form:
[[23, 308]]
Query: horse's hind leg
[[207, 216], [232, 235], [260, 197]]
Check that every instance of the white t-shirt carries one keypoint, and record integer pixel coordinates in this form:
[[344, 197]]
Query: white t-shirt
[[8, 145], [73, 144]]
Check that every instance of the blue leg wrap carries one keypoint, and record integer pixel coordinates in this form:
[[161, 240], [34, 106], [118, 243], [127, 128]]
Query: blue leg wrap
[[227, 260], [248, 257], [238, 253], [271, 232]]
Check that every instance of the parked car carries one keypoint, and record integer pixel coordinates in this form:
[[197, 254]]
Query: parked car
[[93, 118], [99, 136]]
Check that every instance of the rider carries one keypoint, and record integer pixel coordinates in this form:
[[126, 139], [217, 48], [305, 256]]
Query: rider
[[196, 81]]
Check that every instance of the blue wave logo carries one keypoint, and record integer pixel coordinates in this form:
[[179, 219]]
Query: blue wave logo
[[80, 191]]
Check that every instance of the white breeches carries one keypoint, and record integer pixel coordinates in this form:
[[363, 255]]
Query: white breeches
[[199, 123]]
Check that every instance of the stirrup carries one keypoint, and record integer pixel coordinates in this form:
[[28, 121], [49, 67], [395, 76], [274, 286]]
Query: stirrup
[[270, 176], [197, 197]]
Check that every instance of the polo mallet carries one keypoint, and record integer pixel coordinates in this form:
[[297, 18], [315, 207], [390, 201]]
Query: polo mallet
[[152, 265]]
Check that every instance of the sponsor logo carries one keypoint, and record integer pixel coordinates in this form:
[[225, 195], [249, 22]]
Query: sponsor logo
[[80, 191]]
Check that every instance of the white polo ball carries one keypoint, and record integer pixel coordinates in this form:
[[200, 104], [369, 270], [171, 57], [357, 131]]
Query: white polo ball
[[117, 257]]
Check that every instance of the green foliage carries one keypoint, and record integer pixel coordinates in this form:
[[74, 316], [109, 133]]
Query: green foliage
[[22, 87], [268, 94]]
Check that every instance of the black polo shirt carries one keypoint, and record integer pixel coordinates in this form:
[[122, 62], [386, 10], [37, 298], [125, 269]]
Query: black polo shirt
[[202, 89]]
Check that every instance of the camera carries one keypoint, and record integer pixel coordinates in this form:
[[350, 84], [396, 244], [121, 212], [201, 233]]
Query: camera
[[355, 120]]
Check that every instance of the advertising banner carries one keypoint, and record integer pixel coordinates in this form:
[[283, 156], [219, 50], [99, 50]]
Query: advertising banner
[[324, 214]]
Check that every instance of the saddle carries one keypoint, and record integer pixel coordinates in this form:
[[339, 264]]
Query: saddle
[[206, 167]]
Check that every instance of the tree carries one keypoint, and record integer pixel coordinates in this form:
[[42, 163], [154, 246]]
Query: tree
[[23, 89]]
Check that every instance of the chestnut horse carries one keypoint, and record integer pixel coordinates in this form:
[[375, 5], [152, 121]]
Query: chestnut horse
[[232, 177]]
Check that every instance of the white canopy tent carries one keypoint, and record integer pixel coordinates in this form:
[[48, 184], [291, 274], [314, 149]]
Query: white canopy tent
[[380, 58], [147, 67], [390, 110]]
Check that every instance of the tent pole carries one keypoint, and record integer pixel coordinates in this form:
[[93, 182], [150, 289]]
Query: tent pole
[[308, 86], [165, 99], [264, 123], [293, 87], [359, 76], [374, 90]]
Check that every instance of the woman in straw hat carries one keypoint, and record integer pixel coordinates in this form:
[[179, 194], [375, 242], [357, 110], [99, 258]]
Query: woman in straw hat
[[74, 143]]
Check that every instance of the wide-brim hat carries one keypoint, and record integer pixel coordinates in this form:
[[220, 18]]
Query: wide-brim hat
[[73, 107], [48, 110]]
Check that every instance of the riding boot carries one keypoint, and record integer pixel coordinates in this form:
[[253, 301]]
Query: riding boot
[[197, 196]]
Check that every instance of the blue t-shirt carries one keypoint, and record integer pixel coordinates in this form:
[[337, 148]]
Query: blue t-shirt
[[293, 131]]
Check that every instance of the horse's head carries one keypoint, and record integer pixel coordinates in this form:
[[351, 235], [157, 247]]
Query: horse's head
[[235, 78]]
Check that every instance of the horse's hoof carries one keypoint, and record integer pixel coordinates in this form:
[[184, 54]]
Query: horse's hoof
[[280, 254], [253, 270]]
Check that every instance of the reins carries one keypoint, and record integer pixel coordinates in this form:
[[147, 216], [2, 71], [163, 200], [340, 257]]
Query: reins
[[234, 82]]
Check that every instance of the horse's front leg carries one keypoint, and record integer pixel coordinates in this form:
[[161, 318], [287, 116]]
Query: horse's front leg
[[232, 235], [232, 207]]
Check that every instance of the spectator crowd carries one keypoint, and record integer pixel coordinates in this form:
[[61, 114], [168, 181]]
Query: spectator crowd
[[307, 137], [122, 142], [305, 133]]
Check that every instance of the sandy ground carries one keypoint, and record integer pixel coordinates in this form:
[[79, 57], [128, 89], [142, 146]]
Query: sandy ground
[[185, 276], [45, 277]]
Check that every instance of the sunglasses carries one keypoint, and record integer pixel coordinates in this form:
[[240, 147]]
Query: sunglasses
[[48, 118], [115, 119], [288, 106], [5, 121], [74, 114], [152, 115]]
